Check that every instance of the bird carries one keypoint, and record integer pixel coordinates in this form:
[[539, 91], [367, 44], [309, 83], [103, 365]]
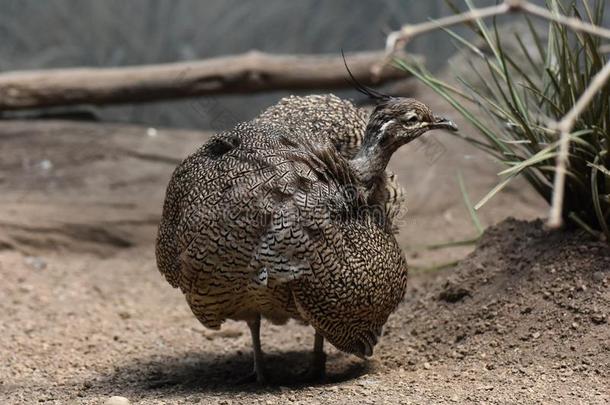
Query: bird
[[291, 216]]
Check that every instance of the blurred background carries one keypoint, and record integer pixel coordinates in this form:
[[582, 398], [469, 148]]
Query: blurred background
[[64, 33]]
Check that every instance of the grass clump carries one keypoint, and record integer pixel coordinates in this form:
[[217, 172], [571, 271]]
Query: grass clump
[[522, 90]]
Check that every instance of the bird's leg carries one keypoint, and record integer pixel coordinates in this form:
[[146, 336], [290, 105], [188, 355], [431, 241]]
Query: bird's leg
[[258, 373], [318, 359]]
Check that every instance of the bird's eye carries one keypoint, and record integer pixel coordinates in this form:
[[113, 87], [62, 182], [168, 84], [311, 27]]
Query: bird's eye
[[412, 118]]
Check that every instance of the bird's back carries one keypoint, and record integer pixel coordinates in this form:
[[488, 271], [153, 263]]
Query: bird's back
[[327, 115]]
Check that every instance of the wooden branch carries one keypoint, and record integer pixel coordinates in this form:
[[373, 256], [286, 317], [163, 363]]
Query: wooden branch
[[247, 73], [400, 38]]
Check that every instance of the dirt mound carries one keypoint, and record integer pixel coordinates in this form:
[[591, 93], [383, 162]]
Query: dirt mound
[[526, 296]]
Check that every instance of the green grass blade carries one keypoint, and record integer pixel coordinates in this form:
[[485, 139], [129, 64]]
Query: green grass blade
[[493, 192], [466, 198]]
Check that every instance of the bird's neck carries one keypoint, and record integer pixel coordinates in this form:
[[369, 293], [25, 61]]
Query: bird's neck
[[373, 157]]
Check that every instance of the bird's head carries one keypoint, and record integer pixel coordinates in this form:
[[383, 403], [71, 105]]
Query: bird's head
[[397, 121], [394, 122]]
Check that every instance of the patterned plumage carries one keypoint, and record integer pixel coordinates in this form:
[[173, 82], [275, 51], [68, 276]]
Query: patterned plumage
[[291, 215]]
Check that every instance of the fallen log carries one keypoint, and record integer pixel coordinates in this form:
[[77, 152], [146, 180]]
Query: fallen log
[[247, 73]]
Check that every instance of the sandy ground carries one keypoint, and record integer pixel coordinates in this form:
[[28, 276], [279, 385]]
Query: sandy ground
[[85, 314]]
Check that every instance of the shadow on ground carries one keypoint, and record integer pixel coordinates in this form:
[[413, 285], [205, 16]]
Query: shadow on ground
[[207, 372]]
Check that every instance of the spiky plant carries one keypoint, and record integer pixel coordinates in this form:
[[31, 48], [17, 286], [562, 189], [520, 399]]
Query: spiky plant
[[522, 91]]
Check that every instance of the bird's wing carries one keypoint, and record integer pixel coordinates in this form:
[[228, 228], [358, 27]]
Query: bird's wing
[[260, 207]]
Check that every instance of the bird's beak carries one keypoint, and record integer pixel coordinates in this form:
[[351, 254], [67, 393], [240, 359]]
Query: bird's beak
[[442, 123]]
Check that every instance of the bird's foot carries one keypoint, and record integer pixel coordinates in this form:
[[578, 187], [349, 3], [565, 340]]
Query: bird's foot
[[253, 377]]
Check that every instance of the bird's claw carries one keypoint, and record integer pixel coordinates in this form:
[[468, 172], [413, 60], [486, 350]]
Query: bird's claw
[[253, 377]]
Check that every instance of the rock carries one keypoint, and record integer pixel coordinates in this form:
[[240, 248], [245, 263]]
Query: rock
[[115, 400], [598, 318], [453, 293], [598, 276], [45, 165], [35, 262]]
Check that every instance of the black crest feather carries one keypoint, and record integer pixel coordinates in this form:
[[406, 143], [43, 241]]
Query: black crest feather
[[372, 93]]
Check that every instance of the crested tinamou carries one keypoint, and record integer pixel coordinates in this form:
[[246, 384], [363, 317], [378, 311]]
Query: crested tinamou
[[291, 215]]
